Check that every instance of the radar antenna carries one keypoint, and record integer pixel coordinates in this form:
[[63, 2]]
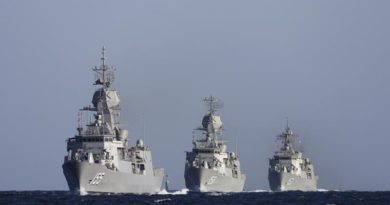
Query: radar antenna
[[104, 74], [213, 104], [103, 58], [287, 137], [287, 125]]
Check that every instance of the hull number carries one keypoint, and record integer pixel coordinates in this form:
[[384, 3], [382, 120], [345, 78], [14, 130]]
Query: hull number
[[211, 180], [97, 179], [290, 181]]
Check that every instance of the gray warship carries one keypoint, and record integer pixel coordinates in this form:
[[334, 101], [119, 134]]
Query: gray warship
[[99, 159], [209, 167], [288, 169]]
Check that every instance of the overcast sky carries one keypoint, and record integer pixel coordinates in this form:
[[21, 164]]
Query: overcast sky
[[324, 64]]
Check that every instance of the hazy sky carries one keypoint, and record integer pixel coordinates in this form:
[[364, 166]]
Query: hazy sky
[[324, 64]]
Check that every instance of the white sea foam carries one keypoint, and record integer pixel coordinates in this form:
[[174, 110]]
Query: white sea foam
[[82, 191], [178, 192], [227, 193], [322, 190], [217, 193], [325, 190], [258, 190], [162, 200]]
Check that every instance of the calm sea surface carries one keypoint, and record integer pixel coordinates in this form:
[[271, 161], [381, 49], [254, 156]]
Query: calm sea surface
[[182, 197]]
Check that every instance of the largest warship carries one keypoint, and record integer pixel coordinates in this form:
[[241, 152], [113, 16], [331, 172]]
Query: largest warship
[[209, 167], [99, 159], [288, 169]]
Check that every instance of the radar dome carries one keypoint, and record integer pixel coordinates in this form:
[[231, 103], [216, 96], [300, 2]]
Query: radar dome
[[140, 143]]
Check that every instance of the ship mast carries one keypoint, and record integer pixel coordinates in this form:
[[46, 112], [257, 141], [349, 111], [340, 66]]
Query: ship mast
[[103, 65], [213, 104], [287, 138], [103, 75]]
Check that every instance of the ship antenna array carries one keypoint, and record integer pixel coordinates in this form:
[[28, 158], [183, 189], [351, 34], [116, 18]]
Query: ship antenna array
[[103, 75], [236, 145], [103, 65], [143, 127], [213, 104], [79, 119], [287, 125]]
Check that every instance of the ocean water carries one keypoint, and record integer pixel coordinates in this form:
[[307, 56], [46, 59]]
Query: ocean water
[[184, 197]]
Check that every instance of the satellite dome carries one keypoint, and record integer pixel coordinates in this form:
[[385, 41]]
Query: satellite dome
[[140, 143]]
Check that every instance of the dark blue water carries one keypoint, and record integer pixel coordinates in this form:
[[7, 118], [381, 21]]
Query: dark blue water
[[288, 198]]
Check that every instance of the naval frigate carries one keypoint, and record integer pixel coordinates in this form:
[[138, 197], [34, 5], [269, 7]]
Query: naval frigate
[[99, 158], [209, 167], [288, 169]]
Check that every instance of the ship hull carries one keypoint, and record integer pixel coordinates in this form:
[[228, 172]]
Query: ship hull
[[284, 181], [208, 180], [88, 178]]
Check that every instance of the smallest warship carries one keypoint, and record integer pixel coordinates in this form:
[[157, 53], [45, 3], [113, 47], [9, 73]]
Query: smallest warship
[[209, 167], [288, 169]]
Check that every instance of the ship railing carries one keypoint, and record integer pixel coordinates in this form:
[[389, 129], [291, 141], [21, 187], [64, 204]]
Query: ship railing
[[90, 139], [139, 160], [205, 151]]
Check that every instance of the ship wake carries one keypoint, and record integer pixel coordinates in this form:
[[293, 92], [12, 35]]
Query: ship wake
[[177, 192]]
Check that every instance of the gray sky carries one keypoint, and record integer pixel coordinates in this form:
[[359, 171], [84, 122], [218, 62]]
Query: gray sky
[[325, 64]]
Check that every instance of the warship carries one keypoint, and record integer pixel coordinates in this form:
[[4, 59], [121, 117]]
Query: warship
[[99, 158], [209, 167], [288, 169]]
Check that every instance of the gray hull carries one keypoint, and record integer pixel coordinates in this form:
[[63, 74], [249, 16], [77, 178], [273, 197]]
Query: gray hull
[[283, 181], [87, 178], [208, 180]]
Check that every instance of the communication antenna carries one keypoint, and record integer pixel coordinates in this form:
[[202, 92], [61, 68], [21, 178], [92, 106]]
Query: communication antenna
[[213, 104], [104, 74], [287, 125], [103, 58], [236, 145], [79, 119], [143, 128]]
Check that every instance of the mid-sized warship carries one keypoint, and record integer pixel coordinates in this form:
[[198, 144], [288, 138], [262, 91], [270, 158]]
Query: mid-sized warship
[[209, 166], [288, 169], [99, 159]]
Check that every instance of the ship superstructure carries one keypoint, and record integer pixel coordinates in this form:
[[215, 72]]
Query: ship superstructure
[[288, 169], [209, 166], [99, 159]]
